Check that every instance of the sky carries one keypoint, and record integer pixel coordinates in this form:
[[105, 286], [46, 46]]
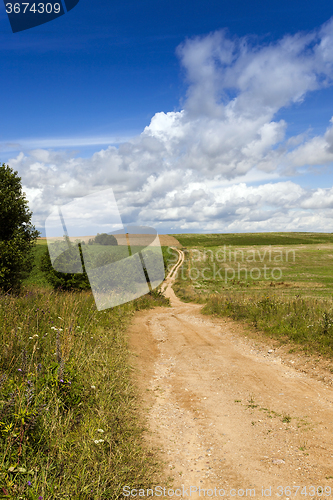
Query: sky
[[203, 116]]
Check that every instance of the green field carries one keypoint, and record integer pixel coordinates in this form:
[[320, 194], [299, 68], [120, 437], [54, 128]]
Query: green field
[[286, 264], [280, 284], [99, 252], [244, 239]]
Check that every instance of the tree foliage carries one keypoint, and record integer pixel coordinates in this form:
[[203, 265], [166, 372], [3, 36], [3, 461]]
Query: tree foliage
[[103, 239], [17, 234]]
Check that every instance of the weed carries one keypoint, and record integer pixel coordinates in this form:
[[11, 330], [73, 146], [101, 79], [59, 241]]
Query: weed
[[303, 446], [251, 403]]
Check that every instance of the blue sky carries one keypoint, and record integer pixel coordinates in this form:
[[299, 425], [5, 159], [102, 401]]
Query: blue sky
[[203, 116]]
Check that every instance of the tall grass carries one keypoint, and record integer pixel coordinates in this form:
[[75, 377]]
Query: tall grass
[[308, 322], [68, 421]]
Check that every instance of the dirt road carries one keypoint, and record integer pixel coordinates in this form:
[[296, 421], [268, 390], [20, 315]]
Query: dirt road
[[226, 414]]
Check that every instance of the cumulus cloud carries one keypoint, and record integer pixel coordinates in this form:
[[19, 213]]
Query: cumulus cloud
[[188, 169]]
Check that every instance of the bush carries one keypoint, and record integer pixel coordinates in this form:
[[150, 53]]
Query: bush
[[17, 234], [62, 280]]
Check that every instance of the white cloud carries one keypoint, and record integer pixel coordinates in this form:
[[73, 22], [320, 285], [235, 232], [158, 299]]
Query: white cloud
[[189, 169]]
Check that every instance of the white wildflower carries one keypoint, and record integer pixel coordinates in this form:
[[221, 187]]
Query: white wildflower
[[93, 387], [97, 441], [100, 430]]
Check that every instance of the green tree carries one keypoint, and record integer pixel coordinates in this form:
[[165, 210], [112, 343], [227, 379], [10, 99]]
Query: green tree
[[17, 234], [105, 239]]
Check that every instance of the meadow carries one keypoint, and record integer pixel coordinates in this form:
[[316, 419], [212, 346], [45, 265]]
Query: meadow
[[278, 283], [69, 420]]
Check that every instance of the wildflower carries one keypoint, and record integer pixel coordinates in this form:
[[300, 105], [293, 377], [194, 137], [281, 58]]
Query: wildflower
[[30, 338], [97, 441], [59, 317], [19, 369], [40, 498], [93, 386], [29, 483], [61, 380], [53, 327], [100, 430]]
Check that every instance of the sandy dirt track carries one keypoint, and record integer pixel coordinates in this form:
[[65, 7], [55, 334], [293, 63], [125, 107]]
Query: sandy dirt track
[[226, 414]]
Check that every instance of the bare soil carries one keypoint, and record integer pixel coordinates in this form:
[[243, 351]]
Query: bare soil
[[226, 409], [139, 239]]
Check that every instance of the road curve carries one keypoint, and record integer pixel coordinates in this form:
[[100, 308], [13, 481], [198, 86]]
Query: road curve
[[225, 414]]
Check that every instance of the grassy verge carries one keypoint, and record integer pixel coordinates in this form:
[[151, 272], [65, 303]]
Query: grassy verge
[[307, 322], [69, 425]]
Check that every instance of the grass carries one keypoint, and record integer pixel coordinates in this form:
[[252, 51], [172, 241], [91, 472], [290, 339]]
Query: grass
[[244, 239], [70, 424], [285, 270], [297, 307], [306, 322], [37, 277]]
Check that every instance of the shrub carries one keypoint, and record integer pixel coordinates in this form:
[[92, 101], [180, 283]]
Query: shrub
[[62, 280]]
